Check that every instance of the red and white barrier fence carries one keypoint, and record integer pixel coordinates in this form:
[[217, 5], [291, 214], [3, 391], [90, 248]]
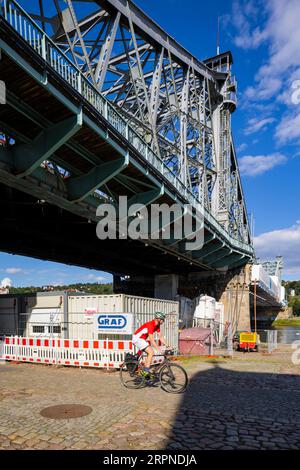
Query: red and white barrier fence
[[69, 352]]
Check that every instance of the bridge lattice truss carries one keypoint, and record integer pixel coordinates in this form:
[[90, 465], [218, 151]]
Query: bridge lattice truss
[[174, 101]]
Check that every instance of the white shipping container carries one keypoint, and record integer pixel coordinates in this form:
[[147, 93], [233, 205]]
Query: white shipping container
[[43, 315], [44, 300], [81, 310], [42, 322], [118, 303], [36, 317], [8, 316]]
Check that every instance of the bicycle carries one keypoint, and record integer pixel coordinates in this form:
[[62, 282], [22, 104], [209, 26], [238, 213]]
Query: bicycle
[[171, 377]]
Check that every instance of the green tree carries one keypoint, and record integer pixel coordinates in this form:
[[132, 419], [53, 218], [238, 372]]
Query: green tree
[[294, 302], [89, 288]]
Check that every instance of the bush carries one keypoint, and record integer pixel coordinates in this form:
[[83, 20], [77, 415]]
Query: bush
[[295, 304]]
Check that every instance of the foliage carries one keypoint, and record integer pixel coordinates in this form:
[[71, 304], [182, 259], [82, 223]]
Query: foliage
[[90, 288], [294, 302], [287, 322], [289, 285]]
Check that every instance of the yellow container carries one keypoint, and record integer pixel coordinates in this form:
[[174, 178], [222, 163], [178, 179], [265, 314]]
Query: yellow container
[[248, 338]]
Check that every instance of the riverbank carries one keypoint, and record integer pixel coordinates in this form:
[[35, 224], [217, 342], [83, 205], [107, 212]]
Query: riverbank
[[295, 321]]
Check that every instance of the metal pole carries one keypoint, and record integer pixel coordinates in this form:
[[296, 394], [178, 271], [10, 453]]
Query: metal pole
[[66, 316], [218, 37], [255, 305], [269, 341], [229, 341], [107, 353], [211, 339]]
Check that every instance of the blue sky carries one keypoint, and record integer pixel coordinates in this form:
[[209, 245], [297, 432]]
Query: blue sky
[[264, 37]]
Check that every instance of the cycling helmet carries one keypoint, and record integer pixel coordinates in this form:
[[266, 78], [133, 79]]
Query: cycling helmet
[[160, 315]]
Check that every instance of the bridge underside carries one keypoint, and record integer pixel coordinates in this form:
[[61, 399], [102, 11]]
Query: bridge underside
[[263, 299], [42, 230], [267, 308], [63, 151]]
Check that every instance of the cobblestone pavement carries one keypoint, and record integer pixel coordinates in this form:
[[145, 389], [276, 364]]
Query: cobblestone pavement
[[250, 402]]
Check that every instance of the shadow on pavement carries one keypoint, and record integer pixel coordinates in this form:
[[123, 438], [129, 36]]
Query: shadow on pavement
[[226, 409]]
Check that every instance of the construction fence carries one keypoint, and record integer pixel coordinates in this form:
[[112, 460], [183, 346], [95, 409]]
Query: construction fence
[[50, 340], [80, 353]]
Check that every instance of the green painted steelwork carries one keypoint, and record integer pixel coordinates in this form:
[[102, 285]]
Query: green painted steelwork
[[80, 187], [208, 249], [28, 157], [228, 260], [83, 86], [223, 251], [146, 198]]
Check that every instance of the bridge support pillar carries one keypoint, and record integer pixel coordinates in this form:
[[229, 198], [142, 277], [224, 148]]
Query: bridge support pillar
[[236, 300], [166, 286], [232, 288]]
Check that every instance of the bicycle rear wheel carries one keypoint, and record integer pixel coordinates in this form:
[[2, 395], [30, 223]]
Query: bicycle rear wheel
[[173, 378], [130, 375]]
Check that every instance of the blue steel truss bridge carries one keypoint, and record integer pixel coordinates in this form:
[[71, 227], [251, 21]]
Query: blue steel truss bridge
[[102, 102]]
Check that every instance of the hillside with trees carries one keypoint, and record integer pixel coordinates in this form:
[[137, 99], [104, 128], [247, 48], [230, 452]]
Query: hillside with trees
[[293, 301], [88, 288], [292, 285]]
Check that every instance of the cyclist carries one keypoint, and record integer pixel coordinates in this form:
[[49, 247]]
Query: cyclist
[[144, 333]]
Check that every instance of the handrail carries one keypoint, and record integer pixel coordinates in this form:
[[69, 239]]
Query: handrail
[[34, 35]]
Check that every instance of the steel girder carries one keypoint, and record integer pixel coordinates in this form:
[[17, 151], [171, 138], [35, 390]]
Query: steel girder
[[167, 95]]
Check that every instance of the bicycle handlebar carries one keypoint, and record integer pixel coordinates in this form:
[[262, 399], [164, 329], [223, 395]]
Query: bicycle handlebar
[[169, 352]]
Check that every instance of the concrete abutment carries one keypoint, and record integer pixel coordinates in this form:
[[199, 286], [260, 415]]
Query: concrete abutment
[[231, 287]]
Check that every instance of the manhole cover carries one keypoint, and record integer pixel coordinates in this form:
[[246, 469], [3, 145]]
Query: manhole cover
[[66, 411]]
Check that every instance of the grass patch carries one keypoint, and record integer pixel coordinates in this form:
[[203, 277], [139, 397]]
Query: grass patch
[[287, 322], [194, 359]]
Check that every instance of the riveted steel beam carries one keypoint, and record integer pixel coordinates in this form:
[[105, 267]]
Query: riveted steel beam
[[146, 198], [241, 262], [199, 98], [147, 26], [208, 249], [28, 157], [227, 260], [212, 258], [80, 187]]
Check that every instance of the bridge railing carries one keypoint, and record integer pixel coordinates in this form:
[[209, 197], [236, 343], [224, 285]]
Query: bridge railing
[[21, 21]]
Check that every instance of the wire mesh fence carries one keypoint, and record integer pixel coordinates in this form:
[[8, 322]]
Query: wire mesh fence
[[272, 336]]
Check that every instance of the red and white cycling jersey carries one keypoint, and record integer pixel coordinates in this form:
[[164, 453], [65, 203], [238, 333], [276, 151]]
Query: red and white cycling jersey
[[147, 329]]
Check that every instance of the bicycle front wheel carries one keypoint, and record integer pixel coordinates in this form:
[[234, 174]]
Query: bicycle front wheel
[[130, 375], [173, 378]]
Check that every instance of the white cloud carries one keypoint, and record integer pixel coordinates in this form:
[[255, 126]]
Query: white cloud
[[255, 125], [13, 270], [6, 282], [290, 93], [95, 278], [243, 13], [276, 78], [289, 128], [241, 147], [282, 32], [256, 165], [284, 242], [267, 87]]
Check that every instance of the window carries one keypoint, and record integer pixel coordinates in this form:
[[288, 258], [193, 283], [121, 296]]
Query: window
[[38, 329], [54, 329]]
